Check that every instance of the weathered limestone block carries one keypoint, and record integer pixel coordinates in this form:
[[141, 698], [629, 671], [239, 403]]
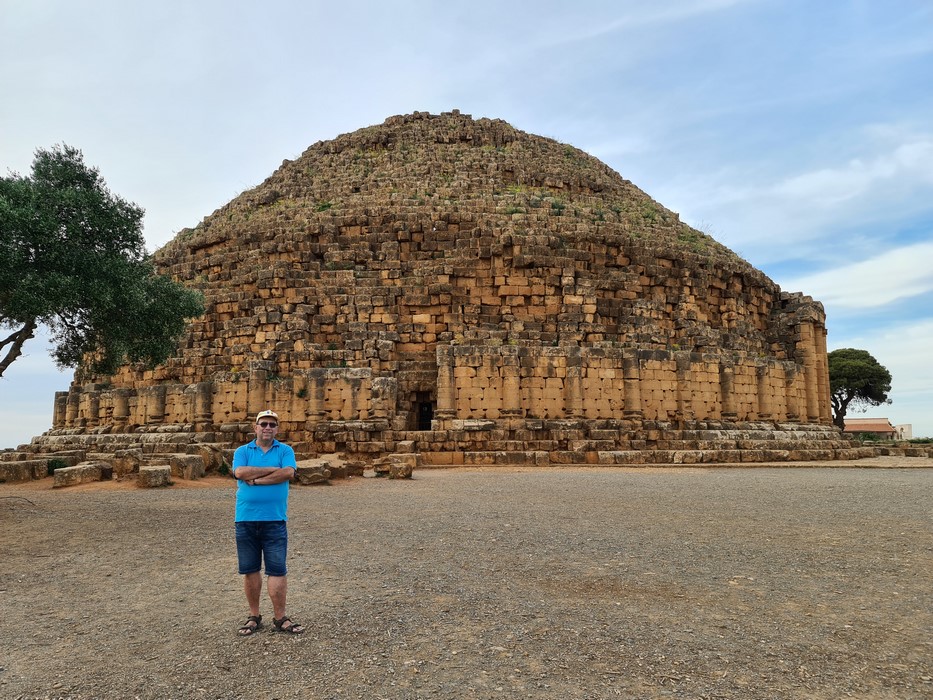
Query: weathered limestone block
[[397, 465], [154, 476], [307, 475], [126, 462], [26, 470], [473, 424], [317, 470], [344, 470], [185, 466], [211, 455], [615, 457], [83, 473]]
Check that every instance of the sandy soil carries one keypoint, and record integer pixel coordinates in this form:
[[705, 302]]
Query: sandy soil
[[501, 583]]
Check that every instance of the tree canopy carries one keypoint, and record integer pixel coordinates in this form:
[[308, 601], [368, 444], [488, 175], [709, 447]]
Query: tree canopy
[[72, 258], [856, 380]]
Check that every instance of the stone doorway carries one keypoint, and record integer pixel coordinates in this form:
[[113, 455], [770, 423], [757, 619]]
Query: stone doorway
[[424, 410]]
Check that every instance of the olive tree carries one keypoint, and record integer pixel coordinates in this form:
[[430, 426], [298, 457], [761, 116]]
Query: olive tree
[[72, 258], [856, 380]]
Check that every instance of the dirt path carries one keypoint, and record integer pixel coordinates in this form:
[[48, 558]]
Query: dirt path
[[505, 583]]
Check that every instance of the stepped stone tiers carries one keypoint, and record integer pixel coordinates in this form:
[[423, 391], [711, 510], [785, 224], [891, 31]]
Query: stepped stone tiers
[[483, 295]]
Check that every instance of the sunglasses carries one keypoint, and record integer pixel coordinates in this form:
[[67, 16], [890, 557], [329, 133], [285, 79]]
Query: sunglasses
[[268, 425]]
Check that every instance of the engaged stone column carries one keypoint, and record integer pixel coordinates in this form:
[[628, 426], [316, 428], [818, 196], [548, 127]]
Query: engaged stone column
[[256, 392], [316, 395], [726, 385], [631, 377], [806, 348], [154, 398], [384, 397], [93, 409], [684, 391], [203, 406], [121, 407], [511, 389], [573, 384], [60, 409], [826, 411], [446, 390], [790, 388], [298, 397], [764, 392], [71, 408]]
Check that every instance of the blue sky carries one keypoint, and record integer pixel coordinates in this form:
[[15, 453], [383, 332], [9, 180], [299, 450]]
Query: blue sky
[[798, 133]]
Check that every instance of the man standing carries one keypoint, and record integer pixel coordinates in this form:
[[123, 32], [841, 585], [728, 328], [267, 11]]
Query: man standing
[[263, 469]]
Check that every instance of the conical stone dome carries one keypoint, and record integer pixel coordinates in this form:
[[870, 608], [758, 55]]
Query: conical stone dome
[[466, 288]]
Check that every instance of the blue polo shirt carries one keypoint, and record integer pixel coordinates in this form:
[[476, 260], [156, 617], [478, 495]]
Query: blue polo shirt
[[266, 502]]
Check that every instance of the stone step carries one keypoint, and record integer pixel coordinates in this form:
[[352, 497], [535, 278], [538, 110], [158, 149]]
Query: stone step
[[638, 457]]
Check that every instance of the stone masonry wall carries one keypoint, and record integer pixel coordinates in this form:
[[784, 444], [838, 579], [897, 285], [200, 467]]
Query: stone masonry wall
[[440, 268]]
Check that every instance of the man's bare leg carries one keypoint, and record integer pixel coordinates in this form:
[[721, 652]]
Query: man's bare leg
[[278, 590], [252, 586]]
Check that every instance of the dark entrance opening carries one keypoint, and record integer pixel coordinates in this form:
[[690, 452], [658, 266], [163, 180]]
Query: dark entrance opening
[[424, 410]]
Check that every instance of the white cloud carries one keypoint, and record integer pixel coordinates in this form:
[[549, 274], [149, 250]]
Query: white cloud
[[888, 277], [642, 15], [889, 182], [831, 187]]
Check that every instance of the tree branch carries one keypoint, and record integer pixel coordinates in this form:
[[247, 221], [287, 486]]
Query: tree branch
[[16, 341]]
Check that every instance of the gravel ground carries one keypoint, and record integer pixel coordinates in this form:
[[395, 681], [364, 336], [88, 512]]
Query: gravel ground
[[502, 583]]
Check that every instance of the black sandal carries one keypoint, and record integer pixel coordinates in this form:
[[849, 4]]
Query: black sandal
[[249, 629], [293, 628]]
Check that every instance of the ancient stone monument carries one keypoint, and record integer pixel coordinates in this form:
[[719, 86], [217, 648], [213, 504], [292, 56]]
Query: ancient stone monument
[[480, 294]]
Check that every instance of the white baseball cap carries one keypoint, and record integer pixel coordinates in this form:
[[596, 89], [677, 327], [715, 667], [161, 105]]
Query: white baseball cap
[[267, 414]]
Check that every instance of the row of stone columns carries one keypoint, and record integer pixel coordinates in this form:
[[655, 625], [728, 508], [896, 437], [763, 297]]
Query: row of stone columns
[[807, 378]]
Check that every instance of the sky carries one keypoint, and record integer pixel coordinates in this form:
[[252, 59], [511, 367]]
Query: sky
[[797, 133]]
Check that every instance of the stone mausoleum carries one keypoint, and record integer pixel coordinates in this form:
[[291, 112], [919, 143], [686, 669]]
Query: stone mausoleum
[[479, 295]]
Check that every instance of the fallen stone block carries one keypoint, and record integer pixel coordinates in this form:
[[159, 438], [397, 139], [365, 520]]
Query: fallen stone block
[[126, 462], [318, 470], [211, 455], [83, 473], [397, 466], [400, 470], [312, 474], [23, 471], [154, 476], [185, 466]]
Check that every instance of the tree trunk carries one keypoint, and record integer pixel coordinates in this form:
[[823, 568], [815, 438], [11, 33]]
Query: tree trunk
[[840, 405], [16, 342]]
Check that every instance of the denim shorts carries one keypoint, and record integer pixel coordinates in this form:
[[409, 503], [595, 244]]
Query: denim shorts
[[260, 540]]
